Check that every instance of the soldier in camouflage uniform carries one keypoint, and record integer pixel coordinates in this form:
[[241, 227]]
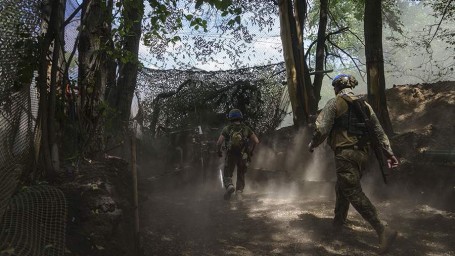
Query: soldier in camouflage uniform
[[240, 141], [338, 123]]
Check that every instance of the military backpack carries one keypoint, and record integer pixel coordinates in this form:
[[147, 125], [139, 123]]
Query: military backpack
[[238, 139]]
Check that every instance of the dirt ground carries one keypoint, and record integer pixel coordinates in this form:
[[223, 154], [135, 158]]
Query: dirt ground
[[285, 214], [285, 219]]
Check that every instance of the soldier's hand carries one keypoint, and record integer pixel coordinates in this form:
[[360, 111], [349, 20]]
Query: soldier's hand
[[310, 147], [392, 162]]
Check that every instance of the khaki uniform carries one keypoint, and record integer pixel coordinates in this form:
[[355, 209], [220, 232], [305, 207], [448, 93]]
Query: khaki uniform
[[235, 158], [350, 159]]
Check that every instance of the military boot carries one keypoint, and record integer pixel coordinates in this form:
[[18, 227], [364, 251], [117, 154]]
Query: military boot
[[229, 190], [239, 195], [386, 239]]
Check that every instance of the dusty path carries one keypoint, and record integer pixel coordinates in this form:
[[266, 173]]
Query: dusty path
[[290, 220]]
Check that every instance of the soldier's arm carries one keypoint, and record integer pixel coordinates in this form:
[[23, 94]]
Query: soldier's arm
[[221, 139], [254, 138], [385, 143], [219, 142], [392, 161], [324, 123]]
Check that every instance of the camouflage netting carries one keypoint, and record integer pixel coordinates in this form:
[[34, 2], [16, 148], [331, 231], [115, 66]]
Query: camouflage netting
[[32, 221], [178, 99]]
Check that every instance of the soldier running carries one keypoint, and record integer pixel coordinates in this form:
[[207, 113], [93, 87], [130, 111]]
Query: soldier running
[[240, 141]]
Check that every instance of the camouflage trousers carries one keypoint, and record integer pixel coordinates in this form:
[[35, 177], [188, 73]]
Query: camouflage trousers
[[349, 166], [233, 160]]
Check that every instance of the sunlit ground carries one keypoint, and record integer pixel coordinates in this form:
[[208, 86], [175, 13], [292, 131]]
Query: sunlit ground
[[285, 219]]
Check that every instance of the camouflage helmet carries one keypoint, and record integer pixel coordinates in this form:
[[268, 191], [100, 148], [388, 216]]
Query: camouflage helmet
[[235, 114], [344, 81]]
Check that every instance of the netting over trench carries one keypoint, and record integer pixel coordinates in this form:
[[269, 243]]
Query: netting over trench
[[32, 221], [175, 98]]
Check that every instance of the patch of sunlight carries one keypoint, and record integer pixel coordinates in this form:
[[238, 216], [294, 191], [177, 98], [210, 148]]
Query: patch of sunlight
[[238, 250], [431, 210], [439, 254], [269, 201], [166, 238], [360, 228], [285, 215], [319, 214], [435, 245], [279, 237], [404, 116]]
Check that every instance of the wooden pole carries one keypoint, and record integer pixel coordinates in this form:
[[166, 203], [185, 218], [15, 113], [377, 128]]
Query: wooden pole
[[135, 191]]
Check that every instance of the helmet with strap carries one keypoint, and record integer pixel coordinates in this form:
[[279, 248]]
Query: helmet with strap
[[342, 81]]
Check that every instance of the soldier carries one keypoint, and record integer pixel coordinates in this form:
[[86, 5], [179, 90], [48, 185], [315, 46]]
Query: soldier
[[347, 136], [240, 141]]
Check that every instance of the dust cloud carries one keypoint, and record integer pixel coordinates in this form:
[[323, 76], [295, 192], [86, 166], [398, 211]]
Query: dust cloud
[[286, 208]]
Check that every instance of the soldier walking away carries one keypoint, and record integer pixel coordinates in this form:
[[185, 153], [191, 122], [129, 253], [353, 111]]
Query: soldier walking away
[[239, 141], [346, 133]]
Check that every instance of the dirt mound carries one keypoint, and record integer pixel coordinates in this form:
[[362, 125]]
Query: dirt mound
[[423, 118], [426, 109]]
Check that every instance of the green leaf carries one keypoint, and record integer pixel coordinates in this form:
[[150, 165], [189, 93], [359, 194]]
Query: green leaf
[[189, 17], [225, 4], [153, 3], [199, 3]]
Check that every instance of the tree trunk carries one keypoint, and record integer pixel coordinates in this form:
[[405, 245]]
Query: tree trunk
[[300, 94], [375, 62], [121, 96], [289, 58], [320, 48], [48, 152], [56, 80], [95, 70], [305, 87]]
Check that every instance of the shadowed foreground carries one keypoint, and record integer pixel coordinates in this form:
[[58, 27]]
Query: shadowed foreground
[[294, 220]]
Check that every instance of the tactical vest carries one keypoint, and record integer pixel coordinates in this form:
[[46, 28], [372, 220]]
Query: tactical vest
[[350, 121]]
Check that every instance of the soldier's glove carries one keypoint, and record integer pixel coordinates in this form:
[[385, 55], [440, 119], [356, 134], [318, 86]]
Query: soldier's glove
[[220, 154]]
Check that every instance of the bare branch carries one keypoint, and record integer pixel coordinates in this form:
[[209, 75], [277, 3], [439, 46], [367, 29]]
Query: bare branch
[[440, 21], [341, 30], [70, 18], [339, 48], [70, 58]]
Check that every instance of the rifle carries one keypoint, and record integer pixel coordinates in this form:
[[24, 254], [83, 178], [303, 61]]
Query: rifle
[[360, 108]]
